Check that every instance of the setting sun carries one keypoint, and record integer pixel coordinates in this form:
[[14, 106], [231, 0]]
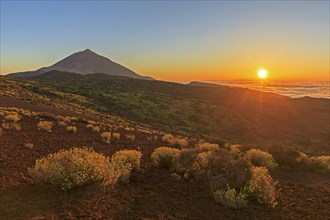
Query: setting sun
[[262, 74]]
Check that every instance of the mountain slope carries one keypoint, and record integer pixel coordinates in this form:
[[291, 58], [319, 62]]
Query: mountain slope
[[85, 62], [236, 114]]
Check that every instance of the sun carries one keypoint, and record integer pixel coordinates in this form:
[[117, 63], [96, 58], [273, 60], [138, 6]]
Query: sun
[[262, 73]]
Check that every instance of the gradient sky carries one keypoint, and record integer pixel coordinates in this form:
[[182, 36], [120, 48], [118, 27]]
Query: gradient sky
[[179, 41]]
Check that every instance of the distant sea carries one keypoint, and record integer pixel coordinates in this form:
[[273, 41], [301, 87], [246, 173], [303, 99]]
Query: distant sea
[[317, 89]]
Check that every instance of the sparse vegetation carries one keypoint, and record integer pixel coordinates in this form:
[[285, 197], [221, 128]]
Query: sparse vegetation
[[45, 125], [165, 157]]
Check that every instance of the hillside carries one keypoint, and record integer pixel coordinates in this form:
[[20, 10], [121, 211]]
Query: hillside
[[151, 193], [219, 113]]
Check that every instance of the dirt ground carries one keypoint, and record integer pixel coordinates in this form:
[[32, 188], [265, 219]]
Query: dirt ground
[[150, 194]]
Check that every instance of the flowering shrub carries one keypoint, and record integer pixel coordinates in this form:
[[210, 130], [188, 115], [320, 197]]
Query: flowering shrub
[[230, 197], [74, 167], [132, 157], [261, 158], [106, 137], [71, 129], [176, 142], [322, 162], [263, 186], [116, 136], [15, 126], [130, 137], [45, 125], [12, 118], [165, 157], [204, 146]]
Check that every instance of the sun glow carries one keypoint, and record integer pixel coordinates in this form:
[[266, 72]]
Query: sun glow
[[262, 74]]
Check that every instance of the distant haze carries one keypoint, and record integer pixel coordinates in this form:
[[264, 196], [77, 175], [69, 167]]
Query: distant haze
[[176, 41]]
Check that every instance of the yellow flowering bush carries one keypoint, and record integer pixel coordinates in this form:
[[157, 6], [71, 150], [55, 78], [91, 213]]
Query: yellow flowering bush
[[165, 157], [263, 186], [106, 137], [71, 129], [132, 157], [45, 125], [261, 158], [74, 167]]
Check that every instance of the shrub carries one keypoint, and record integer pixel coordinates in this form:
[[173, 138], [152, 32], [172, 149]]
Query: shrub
[[12, 118], [74, 167], [132, 157], [223, 167], [165, 157], [176, 142], [130, 137], [322, 162], [15, 126], [29, 145], [45, 125], [71, 129], [116, 136], [47, 116], [261, 158], [73, 119], [175, 177], [62, 123], [230, 197], [5, 126], [106, 137], [263, 186], [204, 146], [179, 142], [167, 138], [93, 128]]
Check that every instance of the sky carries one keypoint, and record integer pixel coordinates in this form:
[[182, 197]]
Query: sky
[[175, 41]]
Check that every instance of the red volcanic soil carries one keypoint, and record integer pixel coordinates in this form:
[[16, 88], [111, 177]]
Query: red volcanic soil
[[151, 194]]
